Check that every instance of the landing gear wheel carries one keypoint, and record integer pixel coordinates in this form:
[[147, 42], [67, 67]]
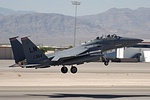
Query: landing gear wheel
[[106, 63], [64, 70], [73, 69]]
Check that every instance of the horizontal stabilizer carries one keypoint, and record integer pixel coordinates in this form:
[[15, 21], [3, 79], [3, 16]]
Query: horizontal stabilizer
[[14, 65], [31, 65]]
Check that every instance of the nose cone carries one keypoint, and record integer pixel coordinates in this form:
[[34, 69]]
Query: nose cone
[[130, 41], [137, 40], [133, 41]]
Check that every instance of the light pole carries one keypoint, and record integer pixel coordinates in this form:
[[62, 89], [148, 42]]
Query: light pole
[[76, 3]]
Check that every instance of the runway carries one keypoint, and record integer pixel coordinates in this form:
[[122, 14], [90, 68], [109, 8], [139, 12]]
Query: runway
[[118, 81], [74, 93]]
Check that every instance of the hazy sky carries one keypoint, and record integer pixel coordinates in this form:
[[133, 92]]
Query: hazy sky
[[87, 7]]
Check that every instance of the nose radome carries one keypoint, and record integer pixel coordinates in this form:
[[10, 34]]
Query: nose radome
[[133, 39], [141, 40], [138, 40]]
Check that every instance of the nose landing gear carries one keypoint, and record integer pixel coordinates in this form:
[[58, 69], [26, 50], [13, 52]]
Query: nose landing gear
[[106, 62]]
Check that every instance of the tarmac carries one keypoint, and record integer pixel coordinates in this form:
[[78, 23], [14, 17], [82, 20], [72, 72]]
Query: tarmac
[[117, 81]]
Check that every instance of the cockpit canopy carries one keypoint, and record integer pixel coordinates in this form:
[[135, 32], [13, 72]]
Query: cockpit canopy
[[103, 37], [108, 37]]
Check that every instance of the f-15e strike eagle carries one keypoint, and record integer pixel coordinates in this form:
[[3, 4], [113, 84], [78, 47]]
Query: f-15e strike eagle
[[87, 52]]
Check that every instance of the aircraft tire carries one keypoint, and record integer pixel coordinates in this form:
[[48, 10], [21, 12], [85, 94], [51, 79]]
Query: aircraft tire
[[73, 69], [64, 70], [106, 63]]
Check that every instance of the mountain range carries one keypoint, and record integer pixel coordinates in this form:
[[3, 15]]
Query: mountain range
[[58, 29]]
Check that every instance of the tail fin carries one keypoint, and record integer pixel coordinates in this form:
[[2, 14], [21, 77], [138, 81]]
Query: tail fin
[[17, 49], [32, 53]]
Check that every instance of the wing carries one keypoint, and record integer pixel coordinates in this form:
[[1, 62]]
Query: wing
[[69, 53]]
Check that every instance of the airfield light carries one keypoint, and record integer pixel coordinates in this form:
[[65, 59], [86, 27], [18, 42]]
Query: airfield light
[[75, 3]]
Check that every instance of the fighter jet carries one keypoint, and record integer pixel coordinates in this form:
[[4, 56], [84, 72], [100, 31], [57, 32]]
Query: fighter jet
[[87, 52]]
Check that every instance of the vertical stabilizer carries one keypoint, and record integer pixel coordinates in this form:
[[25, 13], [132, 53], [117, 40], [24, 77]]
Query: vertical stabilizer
[[32, 53], [17, 49]]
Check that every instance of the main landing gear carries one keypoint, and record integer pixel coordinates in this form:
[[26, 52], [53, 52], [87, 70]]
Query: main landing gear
[[64, 69], [73, 69]]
